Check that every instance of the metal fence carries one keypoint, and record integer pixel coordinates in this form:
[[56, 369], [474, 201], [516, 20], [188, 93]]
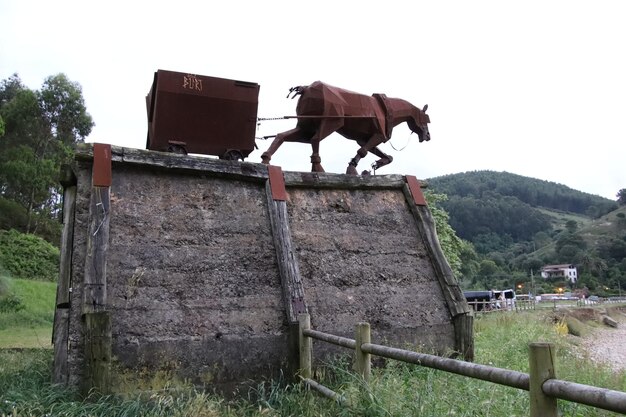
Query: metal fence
[[544, 389], [492, 306]]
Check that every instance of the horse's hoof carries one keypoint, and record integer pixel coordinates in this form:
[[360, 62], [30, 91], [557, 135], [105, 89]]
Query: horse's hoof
[[351, 170], [265, 159]]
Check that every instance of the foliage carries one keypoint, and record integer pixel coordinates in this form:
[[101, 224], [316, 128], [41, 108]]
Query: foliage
[[29, 323], [621, 197], [459, 253], [506, 216], [40, 129], [521, 231], [397, 389], [534, 192], [9, 301], [28, 256]]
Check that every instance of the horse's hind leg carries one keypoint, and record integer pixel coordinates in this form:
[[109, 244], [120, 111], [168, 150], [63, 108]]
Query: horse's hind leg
[[316, 160], [288, 136]]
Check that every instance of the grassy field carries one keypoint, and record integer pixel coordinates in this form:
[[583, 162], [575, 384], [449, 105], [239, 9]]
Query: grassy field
[[395, 390], [31, 325]]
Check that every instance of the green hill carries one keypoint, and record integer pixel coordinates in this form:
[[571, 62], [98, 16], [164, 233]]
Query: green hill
[[512, 208], [517, 224]]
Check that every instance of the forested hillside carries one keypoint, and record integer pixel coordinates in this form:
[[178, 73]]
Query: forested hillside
[[518, 224], [482, 203], [534, 192]]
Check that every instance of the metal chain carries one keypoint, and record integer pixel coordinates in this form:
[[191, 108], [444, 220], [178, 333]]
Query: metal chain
[[262, 119]]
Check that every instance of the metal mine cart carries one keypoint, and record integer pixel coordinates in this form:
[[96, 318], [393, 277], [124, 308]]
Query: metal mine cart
[[190, 113]]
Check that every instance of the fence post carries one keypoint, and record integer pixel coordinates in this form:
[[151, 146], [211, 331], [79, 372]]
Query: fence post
[[305, 344], [542, 368], [362, 360]]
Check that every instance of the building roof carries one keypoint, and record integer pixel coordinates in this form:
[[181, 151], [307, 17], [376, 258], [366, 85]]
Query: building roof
[[561, 266]]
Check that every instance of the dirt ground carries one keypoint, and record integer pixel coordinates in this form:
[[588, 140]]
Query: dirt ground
[[605, 344]]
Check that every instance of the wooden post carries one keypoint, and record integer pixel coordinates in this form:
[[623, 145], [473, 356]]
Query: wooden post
[[97, 376], [464, 335], [306, 344], [60, 331], [541, 357], [362, 360], [94, 285], [60, 340]]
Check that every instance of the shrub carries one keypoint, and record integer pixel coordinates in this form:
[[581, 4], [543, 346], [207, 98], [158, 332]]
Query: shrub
[[9, 302], [28, 256]]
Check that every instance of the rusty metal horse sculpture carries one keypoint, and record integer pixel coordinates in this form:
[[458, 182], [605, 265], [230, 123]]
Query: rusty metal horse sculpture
[[369, 120]]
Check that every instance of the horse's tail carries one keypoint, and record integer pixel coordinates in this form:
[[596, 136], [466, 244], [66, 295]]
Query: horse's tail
[[296, 91]]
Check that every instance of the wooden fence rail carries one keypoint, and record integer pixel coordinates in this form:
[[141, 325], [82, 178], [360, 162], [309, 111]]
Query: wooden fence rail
[[544, 389]]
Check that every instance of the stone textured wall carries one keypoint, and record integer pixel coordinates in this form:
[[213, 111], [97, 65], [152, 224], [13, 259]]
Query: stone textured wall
[[193, 285], [362, 259]]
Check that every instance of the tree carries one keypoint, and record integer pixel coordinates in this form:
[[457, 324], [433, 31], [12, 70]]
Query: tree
[[571, 226], [457, 251], [621, 197], [40, 129]]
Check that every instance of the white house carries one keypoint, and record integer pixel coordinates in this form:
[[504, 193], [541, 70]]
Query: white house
[[565, 271]]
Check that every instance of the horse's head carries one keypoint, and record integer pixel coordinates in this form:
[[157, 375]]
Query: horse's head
[[418, 123]]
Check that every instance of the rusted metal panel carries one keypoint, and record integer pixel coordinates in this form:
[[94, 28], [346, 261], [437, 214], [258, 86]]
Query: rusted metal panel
[[277, 183], [416, 190], [101, 176], [200, 114]]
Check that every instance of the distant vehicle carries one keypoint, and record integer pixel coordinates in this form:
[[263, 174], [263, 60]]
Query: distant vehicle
[[480, 300], [505, 299], [491, 299]]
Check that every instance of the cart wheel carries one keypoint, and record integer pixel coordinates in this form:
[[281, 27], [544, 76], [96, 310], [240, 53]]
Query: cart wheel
[[179, 149], [232, 155]]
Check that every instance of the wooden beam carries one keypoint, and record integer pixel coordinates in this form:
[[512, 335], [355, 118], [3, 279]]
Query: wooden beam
[[449, 285], [94, 285], [60, 340], [291, 282], [97, 338]]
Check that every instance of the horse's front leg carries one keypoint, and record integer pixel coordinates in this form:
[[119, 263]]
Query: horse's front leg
[[384, 158], [362, 152], [287, 136]]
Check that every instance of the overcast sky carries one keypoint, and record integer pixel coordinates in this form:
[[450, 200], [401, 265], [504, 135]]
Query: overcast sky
[[536, 88]]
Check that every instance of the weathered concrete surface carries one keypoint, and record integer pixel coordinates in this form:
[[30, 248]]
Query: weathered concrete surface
[[362, 259], [192, 280], [191, 277]]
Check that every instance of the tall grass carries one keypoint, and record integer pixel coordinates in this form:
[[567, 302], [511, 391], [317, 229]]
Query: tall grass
[[396, 389], [29, 324]]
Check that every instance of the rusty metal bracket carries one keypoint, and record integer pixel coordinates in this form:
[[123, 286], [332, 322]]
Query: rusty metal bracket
[[101, 171], [416, 190], [277, 183], [298, 305]]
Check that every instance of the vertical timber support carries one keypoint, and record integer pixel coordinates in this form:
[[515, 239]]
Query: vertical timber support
[[60, 331], [542, 367], [96, 320], [97, 335], [291, 282], [457, 305], [463, 332], [362, 360], [305, 346]]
